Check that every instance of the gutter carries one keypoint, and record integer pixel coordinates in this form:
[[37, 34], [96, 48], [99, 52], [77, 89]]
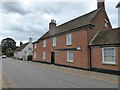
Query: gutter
[[106, 45], [94, 38]]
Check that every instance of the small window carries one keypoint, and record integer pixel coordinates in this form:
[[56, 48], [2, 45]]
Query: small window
[[35, 46], [44, 43], [68, 39], [44, 55], [106, 23], [34, 54], [25, 52], [69, 56], [108, 55], [54, 41], [30, 48]]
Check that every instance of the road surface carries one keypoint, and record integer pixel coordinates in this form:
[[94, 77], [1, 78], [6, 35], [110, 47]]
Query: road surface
[[23, 74]]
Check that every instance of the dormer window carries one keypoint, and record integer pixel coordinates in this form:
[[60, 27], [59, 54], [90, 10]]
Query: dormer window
[[106, 23]]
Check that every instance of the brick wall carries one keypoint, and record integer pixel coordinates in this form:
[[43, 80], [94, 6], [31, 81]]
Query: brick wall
[[79, 38], [97, 59]]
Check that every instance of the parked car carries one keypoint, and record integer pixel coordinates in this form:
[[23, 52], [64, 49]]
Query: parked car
[[3, 56]]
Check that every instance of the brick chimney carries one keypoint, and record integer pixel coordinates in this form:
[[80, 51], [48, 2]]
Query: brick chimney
[[30, 40], [52, 25], [21, 43], [101, 4]]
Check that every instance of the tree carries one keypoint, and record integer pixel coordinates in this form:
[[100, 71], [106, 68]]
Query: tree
[[9, 52], [8, 43]]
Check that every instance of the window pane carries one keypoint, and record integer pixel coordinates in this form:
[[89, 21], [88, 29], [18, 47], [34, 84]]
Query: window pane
[[70, 56], [68, 39], [109, 55]]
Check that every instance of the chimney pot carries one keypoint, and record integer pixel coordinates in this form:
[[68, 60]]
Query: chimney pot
[[101, 4], [30, 40], [53, 21]]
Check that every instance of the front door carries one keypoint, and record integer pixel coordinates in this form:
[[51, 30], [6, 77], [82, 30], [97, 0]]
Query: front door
[[52, 57]]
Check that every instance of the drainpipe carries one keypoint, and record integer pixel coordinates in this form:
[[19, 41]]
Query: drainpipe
[[89, 52], [90, 60]]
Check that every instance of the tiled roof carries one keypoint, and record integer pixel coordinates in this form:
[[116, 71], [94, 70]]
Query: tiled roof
[[21, 47], [107, 37], [75, 23]]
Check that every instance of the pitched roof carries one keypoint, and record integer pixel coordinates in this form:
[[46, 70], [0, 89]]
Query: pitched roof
[[107, 37], [75, 23], [21, 47]]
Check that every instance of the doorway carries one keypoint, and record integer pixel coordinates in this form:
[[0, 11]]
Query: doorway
[[52, 57]]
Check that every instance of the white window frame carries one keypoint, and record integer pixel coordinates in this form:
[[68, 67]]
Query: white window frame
[[106, 23], [44, 55], [68, 57], [69, 36], [35, 55], [103, 56], [54, 41], [44, 43], [35, 46]]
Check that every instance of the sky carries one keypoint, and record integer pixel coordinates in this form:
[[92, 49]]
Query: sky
[[21, 19]]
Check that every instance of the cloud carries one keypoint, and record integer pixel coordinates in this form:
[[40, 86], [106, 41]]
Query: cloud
[[21, 20], [13, 7]]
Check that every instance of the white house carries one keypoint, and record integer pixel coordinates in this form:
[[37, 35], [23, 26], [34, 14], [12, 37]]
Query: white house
[[24, 50]]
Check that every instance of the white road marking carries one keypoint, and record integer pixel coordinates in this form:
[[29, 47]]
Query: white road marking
[[74, 86]]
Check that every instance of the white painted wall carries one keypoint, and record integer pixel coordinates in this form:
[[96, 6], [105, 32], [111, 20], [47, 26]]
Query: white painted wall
[[25, 52]]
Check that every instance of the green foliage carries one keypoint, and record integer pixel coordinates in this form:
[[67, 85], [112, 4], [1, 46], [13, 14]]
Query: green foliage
[[8, 43], [9, 52]]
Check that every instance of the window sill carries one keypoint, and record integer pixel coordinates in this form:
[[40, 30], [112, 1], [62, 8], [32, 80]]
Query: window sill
[[108, 63], [69, 45], [69, 61]]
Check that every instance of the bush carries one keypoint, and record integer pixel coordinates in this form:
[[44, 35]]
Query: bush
[[9, 52]]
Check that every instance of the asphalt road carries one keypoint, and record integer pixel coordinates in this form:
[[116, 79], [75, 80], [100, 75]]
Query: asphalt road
[[23, 74]]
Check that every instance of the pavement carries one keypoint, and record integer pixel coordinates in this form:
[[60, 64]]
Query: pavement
[[2, 82], [84, 73]]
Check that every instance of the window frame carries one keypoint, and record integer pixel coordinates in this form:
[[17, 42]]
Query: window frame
[[103, 56], [35, 55], [67, 39], [44, 55], [44, 43], [35, 46], [54, 41], [68, 57]]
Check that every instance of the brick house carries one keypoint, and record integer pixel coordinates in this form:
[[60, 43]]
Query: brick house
[[68, 43]]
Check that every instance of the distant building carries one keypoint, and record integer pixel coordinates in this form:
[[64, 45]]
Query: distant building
[[24, 50]]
